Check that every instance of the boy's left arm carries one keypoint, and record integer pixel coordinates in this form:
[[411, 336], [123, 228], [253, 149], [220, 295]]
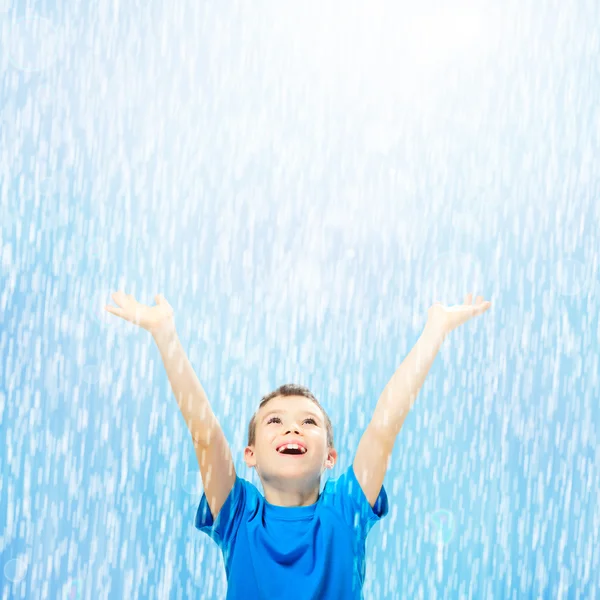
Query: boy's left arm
[[376, 445]]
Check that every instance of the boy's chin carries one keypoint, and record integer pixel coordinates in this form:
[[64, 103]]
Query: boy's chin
[[292, 463]]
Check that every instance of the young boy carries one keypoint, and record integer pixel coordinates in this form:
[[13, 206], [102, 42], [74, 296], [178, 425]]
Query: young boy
[[293, 543]]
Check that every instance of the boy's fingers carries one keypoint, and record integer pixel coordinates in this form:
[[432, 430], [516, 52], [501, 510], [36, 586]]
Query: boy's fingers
[[119, 297], [114, 311], [483, 307]]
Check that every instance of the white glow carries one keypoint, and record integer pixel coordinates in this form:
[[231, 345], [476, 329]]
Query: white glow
[[444, 35], [350, 37]]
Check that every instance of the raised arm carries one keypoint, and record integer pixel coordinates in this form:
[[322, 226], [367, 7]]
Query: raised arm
[[376, 445], [212, 450]]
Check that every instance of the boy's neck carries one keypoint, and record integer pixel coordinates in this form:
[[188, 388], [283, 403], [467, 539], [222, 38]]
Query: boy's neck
[[290, 498]]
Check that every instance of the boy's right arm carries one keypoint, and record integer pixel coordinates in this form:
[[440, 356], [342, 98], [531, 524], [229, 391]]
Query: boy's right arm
[[212, 450]]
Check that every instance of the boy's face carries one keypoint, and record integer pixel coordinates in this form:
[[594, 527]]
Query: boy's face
[[293, 419]]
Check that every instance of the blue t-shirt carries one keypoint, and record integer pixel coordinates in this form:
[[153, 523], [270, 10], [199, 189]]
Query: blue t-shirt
[[298, 552]]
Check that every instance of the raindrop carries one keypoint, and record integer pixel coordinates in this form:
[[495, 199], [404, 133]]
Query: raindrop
[[72, 590], [442, 526], [192, 483], [15, 569]]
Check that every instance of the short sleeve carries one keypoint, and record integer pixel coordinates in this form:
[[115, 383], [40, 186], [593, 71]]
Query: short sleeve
[[225, 528], [348, 498]]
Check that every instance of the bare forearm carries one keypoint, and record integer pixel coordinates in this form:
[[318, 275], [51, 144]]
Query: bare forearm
[[189, 393], [401, 391]]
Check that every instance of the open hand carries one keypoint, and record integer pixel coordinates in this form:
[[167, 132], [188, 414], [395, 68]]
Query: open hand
[[151, 318], [447, 318]]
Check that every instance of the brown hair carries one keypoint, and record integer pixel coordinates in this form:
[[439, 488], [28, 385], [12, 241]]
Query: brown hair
[[289, 389]]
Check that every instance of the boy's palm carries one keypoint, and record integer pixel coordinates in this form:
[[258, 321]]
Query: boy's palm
[[150, 318]]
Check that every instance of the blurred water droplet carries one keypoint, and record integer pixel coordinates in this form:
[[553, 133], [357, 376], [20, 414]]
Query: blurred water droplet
[[52, 384], [73, 590], [192, 483], [16, 569], [442, 526]]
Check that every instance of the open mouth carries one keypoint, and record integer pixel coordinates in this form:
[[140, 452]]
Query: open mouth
[[292, 451]]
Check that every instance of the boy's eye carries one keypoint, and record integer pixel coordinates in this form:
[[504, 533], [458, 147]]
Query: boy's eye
[[273, 419]]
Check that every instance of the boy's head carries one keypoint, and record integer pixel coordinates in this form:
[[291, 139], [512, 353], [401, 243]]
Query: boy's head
[[290, 414]]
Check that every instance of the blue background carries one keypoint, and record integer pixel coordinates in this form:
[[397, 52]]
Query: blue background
[[301, 182]]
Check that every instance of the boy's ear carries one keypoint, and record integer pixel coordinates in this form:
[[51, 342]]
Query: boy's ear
[[331, 458], [249, 457]]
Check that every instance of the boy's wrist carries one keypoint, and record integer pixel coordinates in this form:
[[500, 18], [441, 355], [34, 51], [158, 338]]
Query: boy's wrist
[[166, 333]]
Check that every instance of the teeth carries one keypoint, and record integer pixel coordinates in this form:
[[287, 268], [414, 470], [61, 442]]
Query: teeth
[[293, 447]]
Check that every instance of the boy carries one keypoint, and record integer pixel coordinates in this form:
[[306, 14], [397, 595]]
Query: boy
[[293, 543]]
